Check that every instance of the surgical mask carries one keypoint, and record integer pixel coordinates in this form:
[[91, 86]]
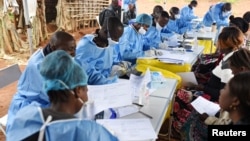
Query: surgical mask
[[112, 42], [81, 113], [178, 16], [86, 111], [226, 13], [142, 31], [158, 27]]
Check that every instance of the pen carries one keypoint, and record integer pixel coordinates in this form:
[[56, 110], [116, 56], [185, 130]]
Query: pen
[[138, 104], [147, 115]]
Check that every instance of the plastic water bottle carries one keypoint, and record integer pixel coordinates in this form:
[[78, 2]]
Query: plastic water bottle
[[110, 114], [195, 41]]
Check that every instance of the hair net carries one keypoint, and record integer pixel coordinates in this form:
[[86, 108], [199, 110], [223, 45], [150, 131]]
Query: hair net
[[61, 72], [144, 19]]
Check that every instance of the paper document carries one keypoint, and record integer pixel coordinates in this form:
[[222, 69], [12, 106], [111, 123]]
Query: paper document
[[127, 110], [130, 129], [203, 105], [171, 61], [135, 82], [176, 55], [110, 95], [187, 77]]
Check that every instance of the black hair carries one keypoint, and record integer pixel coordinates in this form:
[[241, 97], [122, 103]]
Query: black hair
[[239, 87], [246, 16], [164, 14], [157, 9], [60, 37], [58, 96], [193, 2], [112, 25], [174, 10], [240, 23], [240, 58], [227, 6]]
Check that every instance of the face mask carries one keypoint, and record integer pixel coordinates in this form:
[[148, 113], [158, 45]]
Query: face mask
[[177, 16], [112, 42], [86, 111], [158, 27], [81, 114], [142, 31], [226, 13]]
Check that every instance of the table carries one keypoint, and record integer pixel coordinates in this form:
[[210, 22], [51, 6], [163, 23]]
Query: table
[[189, 59], [157, 105], [166, 92], [207, 36]]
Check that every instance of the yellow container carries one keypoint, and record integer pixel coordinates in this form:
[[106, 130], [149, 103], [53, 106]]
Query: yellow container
[[175, 68], [167, 74]]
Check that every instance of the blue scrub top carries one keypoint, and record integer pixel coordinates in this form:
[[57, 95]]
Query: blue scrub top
[[30, 119], [178, 26], [214, 14], [131, 45], [96, 61], [152, 38], [187, 14], [29, 89]]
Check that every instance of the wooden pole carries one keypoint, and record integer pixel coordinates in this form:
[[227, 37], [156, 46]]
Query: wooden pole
[[28, 25]]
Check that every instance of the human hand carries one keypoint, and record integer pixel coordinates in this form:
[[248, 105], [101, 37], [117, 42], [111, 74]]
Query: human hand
[[158, 53], [189, 86], [113, 79], [163, 45], [203, 116], [149, 53], [117, 70], [153, 53]]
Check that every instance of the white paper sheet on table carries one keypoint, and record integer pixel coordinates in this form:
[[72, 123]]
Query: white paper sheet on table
[[127, 110], [110, 95], [130, 129], [203, 105], [186, 57]]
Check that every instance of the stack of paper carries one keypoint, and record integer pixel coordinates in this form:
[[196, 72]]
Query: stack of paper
[[110, 95], [171, 61], [203, 105], [130, 129]]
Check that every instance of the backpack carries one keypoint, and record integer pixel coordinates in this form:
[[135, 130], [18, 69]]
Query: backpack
[[105, 14]]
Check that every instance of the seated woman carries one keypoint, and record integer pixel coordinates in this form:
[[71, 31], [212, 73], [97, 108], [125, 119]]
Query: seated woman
[[235, 99], [65, 82], [230, 40], [196, 125]]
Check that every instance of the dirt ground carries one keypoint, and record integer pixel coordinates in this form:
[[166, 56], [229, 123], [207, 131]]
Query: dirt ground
[[143, 6]]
